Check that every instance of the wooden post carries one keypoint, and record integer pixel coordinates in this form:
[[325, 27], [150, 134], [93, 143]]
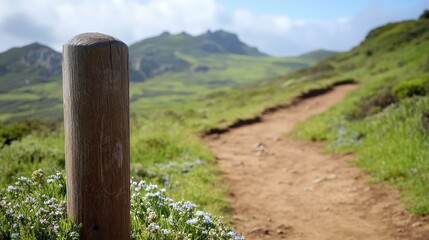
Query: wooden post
[[96, 123]]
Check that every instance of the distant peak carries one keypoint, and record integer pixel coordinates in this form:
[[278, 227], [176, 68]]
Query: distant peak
[[222, 37], [318, 54], [35, 45], [220, 33], [230, 42], [165, 33], [184, 33]]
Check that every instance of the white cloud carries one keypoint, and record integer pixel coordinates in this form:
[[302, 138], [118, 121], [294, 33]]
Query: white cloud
[[281, 35], [129, 20], [53, 22]]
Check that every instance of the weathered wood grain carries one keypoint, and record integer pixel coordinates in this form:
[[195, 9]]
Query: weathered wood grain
[[96, 119]]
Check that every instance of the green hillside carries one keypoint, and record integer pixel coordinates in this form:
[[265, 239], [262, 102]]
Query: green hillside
[[384, 123], [163, 70], [317, 54], [178, 52], [29, 80]]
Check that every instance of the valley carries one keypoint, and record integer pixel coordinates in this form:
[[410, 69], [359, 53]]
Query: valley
[[165, 69]]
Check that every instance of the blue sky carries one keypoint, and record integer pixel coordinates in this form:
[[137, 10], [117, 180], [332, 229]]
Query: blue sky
[[277, 27], [316, 9]]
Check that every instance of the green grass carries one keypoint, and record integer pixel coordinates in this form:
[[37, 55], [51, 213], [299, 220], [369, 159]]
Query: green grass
[[27, 92], [390, 145], [165, 152], [165, 147], [36, 209], [381, 122], [385, 132], [162, 152], [226, 71], [19, 96]]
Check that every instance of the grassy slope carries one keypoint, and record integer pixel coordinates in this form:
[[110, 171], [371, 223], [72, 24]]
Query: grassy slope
[[226, 71], [164, 142], [28, 86], [385, 130], [44, 99], [166, 149], [164, 69]]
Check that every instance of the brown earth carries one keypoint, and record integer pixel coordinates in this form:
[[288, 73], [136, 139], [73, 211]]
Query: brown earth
[[286, 189]]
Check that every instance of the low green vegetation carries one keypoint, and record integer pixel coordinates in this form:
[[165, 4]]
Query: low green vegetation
[[385, 121], [36, 209], [165, 150], [415, 87], [163, 69]]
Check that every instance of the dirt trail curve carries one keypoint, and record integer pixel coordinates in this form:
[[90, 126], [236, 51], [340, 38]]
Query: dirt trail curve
[[285, 189]]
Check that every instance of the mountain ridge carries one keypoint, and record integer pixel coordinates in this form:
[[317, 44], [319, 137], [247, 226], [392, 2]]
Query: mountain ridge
[[164, 68], [318, 54], [159, 54]]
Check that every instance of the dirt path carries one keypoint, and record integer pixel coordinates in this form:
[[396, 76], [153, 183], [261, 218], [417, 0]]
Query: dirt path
[[285, 189]]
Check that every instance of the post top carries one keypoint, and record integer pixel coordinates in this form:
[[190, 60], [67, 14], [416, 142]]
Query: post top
[[93, 38]]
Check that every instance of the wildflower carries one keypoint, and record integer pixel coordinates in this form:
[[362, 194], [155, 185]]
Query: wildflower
[[192, 221], [22, 179], [153, 227], [199, 213], [163, 217], [40, 211], [9, 212], [235, 235], [207, 220], [56, 226], [10, 188], [57, 176], [189, 205]]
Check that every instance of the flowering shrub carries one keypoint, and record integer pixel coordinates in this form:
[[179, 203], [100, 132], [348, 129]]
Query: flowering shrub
[[36, 209], [155, 216]]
